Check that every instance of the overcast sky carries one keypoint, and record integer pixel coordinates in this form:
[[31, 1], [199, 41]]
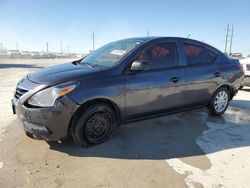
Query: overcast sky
[[33, 23]]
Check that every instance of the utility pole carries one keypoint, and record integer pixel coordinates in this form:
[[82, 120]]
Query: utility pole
[[68, 49], [47, 47], [17, 46], [93, 40], [231, 41], [226, 38], [61, 47], [1, 46]]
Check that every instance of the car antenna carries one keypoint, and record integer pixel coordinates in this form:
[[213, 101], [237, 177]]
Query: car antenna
[[188, 36]]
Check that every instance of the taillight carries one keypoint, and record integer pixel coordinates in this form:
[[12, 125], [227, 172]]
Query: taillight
[[240, 66]]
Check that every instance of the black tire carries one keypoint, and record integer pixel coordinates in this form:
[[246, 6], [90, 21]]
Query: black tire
[[94, 126], [217, 99]]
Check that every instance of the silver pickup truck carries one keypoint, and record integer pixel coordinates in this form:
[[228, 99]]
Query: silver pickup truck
[[246, 64]]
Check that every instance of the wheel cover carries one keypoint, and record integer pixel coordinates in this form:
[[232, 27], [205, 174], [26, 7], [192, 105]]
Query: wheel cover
[[98, 127], [221, 101]]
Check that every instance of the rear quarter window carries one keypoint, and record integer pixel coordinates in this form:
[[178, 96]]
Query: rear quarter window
[[197, 54]]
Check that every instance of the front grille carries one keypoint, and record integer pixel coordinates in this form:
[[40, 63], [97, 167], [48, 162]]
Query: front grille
[[248, 67], [19, 92]]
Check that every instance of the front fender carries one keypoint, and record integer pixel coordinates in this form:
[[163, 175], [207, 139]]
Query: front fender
[[111, 89]]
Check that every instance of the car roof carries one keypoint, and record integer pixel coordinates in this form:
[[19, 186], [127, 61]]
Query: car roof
[[177, 39], [162, 37]]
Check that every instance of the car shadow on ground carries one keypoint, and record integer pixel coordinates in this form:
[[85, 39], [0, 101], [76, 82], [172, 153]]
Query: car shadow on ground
[[17, 65], [167, 137], [246, 89]]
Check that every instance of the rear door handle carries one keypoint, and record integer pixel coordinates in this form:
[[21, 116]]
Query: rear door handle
[[217, 74], [174, 79]]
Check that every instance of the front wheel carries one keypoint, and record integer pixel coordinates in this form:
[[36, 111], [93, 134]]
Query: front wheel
[[94, 125], [219, 102]]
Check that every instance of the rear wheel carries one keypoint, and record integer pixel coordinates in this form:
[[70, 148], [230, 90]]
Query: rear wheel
[[94, 125], [219, 102]]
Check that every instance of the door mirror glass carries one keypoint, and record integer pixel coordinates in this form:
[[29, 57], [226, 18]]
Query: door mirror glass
[[139, 66]]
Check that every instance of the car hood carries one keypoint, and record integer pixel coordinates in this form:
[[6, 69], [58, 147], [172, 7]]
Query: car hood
[[61, 73]]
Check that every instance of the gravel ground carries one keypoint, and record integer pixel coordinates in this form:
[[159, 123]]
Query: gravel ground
[[190, 149]]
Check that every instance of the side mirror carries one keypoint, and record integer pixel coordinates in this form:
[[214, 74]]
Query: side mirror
[[139, 66]]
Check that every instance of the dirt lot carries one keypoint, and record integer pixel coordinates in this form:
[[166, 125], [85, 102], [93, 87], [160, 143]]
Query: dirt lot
[[190, 149]]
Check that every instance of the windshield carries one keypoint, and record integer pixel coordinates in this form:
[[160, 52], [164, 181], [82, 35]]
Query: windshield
[[110, 54]]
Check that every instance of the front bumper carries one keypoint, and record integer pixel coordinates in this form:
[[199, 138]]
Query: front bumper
[[46, 123]]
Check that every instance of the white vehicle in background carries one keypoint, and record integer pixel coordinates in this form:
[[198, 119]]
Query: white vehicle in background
[[246, 64], [236, 56], [15, 54], [71, 55], [35, 55], [25, 54], [44, 55], [48, 55], [4, 54]]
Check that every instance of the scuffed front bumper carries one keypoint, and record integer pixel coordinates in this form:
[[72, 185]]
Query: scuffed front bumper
[[47, 123], [42, 123]]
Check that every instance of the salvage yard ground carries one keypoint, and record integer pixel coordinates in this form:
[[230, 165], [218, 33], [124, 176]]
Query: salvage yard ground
[[190, 149]]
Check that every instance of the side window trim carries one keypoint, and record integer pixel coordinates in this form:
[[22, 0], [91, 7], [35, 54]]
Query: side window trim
[[180, 53]]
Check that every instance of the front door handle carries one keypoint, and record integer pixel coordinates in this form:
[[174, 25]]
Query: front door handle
[[174, 79], [217, 74]]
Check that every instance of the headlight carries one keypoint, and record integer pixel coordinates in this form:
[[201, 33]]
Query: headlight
[[47, 97]]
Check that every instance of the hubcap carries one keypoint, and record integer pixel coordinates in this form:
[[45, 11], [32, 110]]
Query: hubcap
[[97, 127], [221, 101]]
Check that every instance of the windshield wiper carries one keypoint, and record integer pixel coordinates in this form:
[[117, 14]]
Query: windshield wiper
[[92, 65], [88, 64]]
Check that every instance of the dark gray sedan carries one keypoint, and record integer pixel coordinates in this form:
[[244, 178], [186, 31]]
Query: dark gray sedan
[[124, 81]]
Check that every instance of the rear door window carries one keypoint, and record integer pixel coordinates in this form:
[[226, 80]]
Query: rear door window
[[197, 54]]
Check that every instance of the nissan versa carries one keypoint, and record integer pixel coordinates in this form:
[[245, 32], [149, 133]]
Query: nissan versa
[[123, 81]]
